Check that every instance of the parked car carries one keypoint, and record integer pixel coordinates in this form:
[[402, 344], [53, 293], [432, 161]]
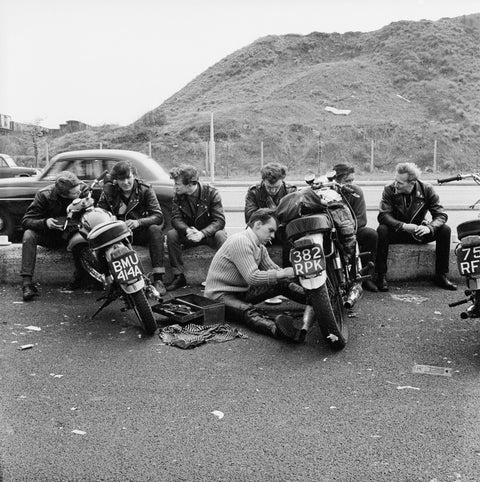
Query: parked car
[[16, 194], [8, 168]]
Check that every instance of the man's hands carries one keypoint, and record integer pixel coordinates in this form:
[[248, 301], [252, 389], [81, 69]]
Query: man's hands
[[415, 229], [132, 224], [53, 224], [285, 273], [194, 235]]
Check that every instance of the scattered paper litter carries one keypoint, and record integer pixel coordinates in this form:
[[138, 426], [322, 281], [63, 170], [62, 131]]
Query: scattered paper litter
[[24, 347], [218, 414], [332, 337], [33, 328], [55, 376], [333, 110], [407, 386], [409, 298], [432, 370], [78, 432]]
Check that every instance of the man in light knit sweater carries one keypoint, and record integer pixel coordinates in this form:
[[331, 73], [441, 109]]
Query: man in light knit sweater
[[242, 274]]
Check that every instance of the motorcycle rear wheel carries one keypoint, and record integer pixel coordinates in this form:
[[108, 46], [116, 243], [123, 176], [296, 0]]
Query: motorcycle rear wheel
[[143, 311], [331, 315]]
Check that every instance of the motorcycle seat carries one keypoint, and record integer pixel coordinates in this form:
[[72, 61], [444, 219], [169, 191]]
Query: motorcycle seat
[[107, 233], [468, 228], [316, 223]]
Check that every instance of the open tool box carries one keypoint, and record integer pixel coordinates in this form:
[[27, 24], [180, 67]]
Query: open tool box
[[191, 308]]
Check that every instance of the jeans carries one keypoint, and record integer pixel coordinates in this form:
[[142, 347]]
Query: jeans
[[387, 236], [177, 241], [152, 236]]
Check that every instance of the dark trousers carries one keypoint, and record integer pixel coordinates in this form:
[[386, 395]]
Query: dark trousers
[[387, 236], [31, 239], [367, 239], [152, 236], [282, 240], [239, 306], [177, 241]]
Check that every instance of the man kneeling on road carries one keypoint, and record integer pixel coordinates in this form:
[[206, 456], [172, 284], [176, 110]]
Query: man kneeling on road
[[242, 274]]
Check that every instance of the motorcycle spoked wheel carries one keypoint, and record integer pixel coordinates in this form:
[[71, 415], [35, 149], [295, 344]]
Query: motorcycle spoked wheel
[[327, 302], [91, 264], [143, 310]]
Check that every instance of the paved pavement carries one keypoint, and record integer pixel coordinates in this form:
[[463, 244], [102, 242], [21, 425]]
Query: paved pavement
[[291, 412]]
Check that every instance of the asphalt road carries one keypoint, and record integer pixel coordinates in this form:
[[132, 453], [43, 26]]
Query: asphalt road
[[291, 412]]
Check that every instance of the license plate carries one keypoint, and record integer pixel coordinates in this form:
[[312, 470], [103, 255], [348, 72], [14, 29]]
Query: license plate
[[307, 261], [468, 259], [126, 267]]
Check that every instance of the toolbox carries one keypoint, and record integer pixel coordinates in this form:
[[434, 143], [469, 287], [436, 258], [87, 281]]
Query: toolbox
[[192, 308]]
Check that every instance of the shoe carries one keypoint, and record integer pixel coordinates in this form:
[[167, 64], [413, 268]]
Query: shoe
[[159, 286], [442, 281], [287, 328], [381, 282], [369, 285], [178, 281], [29, 292]]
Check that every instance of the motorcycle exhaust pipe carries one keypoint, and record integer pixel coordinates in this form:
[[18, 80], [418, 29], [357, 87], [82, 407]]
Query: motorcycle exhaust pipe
[[353, 296]]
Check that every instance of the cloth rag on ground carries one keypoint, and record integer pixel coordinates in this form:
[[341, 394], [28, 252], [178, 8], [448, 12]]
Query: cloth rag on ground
[[191, 335]]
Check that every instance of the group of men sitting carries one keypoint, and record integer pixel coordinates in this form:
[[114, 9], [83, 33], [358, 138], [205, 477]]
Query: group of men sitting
[[242, 273]]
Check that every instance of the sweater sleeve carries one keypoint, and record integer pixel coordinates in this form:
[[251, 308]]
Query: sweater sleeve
[[248, 268]]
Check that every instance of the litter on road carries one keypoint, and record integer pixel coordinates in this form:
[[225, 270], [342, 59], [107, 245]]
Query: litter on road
[[407, 387], [432, 370], [218, 414], [33, 328], [79, 432], [410, 298], [24, 347]]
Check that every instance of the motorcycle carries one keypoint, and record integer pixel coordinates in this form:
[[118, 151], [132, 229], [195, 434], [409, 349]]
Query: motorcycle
[[467, 252], [329, 274], [104, 246]]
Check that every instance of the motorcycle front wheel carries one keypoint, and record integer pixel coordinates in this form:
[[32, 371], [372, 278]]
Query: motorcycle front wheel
[[143, 311], [331, 315]]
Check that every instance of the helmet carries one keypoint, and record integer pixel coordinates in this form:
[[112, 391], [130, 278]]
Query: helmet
[[94, 217]]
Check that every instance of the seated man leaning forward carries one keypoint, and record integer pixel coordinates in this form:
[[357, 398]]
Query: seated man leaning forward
[[403, 208], [267, 194], [242, 274], [135, 202], [197, 218], [43, 226]]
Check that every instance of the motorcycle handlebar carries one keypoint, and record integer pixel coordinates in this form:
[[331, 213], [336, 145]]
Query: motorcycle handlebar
[[458, 177]]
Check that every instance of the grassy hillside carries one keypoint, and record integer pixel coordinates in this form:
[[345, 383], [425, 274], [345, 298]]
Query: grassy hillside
[[407, 85]]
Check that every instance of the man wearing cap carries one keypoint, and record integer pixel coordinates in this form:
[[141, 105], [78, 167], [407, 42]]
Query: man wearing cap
[[43, 225], [366, 237], [267, 194]]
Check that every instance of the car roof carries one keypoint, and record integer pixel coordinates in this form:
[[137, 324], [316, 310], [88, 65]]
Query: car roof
[[139, 159]]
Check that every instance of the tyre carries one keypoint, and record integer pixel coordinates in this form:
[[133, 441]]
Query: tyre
[[144, 312], [6, 224], [91, 264], [331, 315]]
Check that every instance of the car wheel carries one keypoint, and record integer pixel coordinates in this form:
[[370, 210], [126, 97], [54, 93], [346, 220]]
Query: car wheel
[[6, 224]]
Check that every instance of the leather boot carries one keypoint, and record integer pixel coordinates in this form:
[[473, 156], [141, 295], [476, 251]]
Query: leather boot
[[287, 328], [381, 282], [254, 320], [178, 281]]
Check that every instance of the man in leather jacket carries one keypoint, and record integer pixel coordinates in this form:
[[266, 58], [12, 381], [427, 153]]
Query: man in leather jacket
[[43, 225], [132, 200], [197, 218], [267, 194], [403, 208]]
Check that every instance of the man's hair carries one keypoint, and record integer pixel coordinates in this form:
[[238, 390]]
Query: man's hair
[[409, 168], [342, 170], [65, 181], [122, 170], [273, 172], [186, 173], [264, 215]]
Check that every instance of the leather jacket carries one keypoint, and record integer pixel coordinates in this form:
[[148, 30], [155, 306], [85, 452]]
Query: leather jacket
[[257, 197], [47, 204], [394, 212], [143, 204], [209, 216]]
